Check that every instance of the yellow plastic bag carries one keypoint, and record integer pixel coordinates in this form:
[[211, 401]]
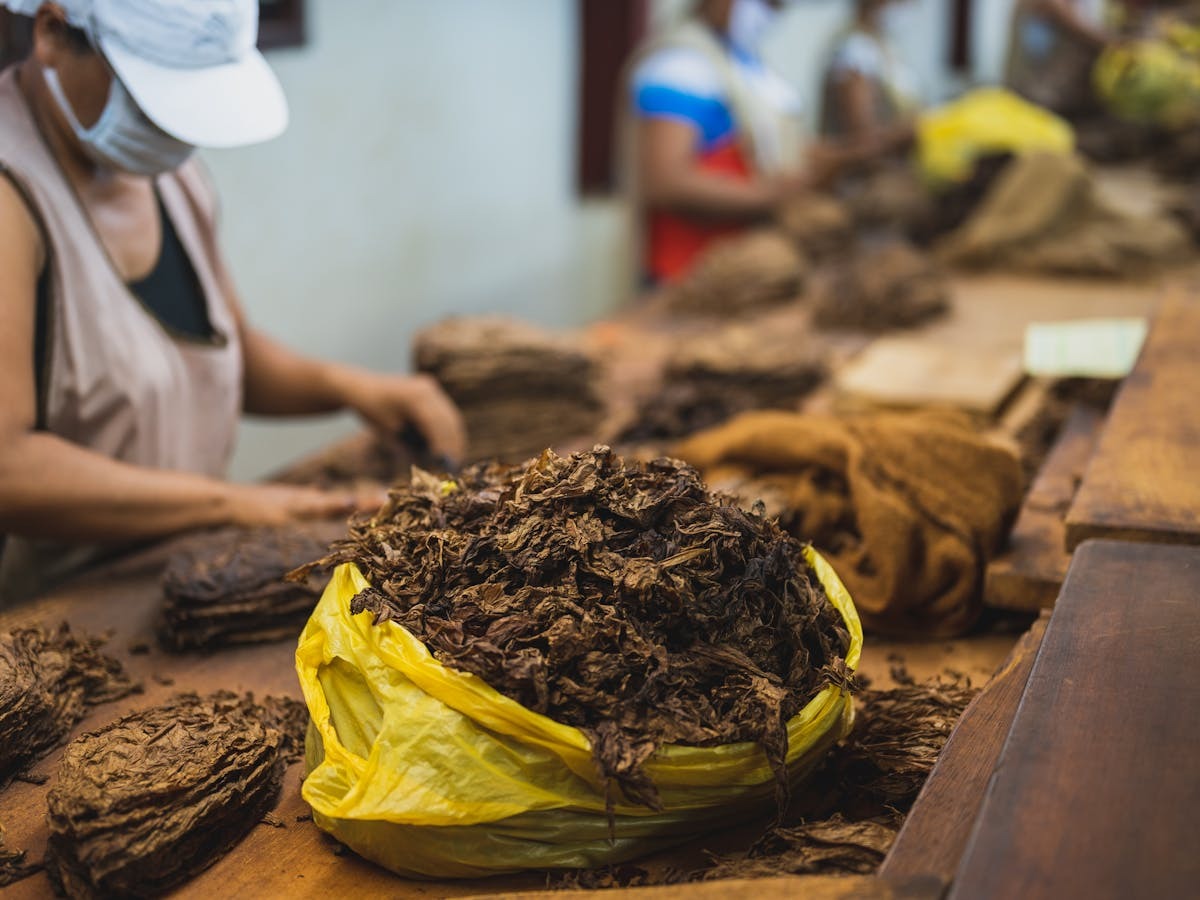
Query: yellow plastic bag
[[1152, 82], [430, 772], [982, 122]]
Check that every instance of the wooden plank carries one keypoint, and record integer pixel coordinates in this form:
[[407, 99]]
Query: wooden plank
[[1030, 573], [811, 887], [934, 834], [1096, 791], [1141, 483], [911, 371]]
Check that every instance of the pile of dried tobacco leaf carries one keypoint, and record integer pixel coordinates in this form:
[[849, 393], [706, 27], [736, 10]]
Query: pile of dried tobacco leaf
[[154, 798], [761, 268], [882, 287], [48, 681], [228, 587], [620, 598], [520, 388]]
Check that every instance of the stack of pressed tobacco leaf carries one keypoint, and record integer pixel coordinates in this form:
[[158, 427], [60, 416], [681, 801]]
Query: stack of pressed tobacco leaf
[[227, 587], [759, 269], [881, 287], [520, 389], [709, 379], [623, 599], [820, 225], [156, 797], [48, 681]]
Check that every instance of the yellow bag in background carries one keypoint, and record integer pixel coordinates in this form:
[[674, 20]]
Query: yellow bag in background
[[430, 772], [1155, 82], [983, 122]]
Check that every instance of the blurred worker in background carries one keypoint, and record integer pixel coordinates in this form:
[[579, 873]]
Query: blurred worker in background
[[871, 94], [716, 135], [125, 354], [1052, 48]]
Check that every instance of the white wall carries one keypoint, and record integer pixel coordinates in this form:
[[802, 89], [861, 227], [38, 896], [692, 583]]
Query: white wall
[[989, 38], [428, 169]]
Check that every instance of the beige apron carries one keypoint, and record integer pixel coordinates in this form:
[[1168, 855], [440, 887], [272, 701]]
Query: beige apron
[[117, 381]]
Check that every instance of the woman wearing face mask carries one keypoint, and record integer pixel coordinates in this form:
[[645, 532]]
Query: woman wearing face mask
[[716, 134], [870, 93], [1053, 45], [125, 357]]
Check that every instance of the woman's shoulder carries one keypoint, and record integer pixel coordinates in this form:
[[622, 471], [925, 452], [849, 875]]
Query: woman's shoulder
[[857, 52], [678, 68]]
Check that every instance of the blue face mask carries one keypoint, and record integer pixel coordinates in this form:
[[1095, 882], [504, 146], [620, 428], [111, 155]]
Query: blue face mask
[[123, 138], [750, 21]]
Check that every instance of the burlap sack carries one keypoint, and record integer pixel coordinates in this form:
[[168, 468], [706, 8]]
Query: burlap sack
[[1044, 213], [907, 507]]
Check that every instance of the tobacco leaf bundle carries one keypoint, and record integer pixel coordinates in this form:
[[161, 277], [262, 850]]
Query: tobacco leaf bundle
[[712, 378], [898, 735], [228, 587], [48, 681], [881, 287], [819, 224], [154, 798], [620, 598], [520, 388], [761, 268]]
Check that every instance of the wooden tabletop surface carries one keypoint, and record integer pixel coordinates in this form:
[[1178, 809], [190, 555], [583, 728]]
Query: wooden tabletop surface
[[299, 859], [1141, 483], [1096, 793]]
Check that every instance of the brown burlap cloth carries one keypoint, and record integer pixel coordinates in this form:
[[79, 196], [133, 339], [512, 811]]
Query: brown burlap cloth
[[907, 507]]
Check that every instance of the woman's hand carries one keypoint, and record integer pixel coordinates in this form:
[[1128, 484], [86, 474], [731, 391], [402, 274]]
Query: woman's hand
[[250, 505], [390, 402]]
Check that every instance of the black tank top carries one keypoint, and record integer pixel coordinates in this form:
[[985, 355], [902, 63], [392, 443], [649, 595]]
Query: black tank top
[[171, 292]]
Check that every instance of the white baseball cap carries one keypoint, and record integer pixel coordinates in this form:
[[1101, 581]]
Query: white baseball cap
[[191, 65]]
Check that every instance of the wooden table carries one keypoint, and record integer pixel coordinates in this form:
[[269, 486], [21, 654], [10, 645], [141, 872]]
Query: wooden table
[[299, 859], [1097, 791], [1030, 572], [1142, 482]]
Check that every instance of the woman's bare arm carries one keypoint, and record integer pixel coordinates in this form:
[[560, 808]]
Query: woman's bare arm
[[669, 177], [51, 488]]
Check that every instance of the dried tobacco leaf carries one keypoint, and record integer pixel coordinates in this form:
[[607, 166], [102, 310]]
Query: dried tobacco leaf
[[620, 598], [848, 816], [13, 867], [761, 268], [819, 224], [48, 681], [520, 388], [227, 587], [826, 847], [882, 287], [152, 799], [710, 379], [869, 784]]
